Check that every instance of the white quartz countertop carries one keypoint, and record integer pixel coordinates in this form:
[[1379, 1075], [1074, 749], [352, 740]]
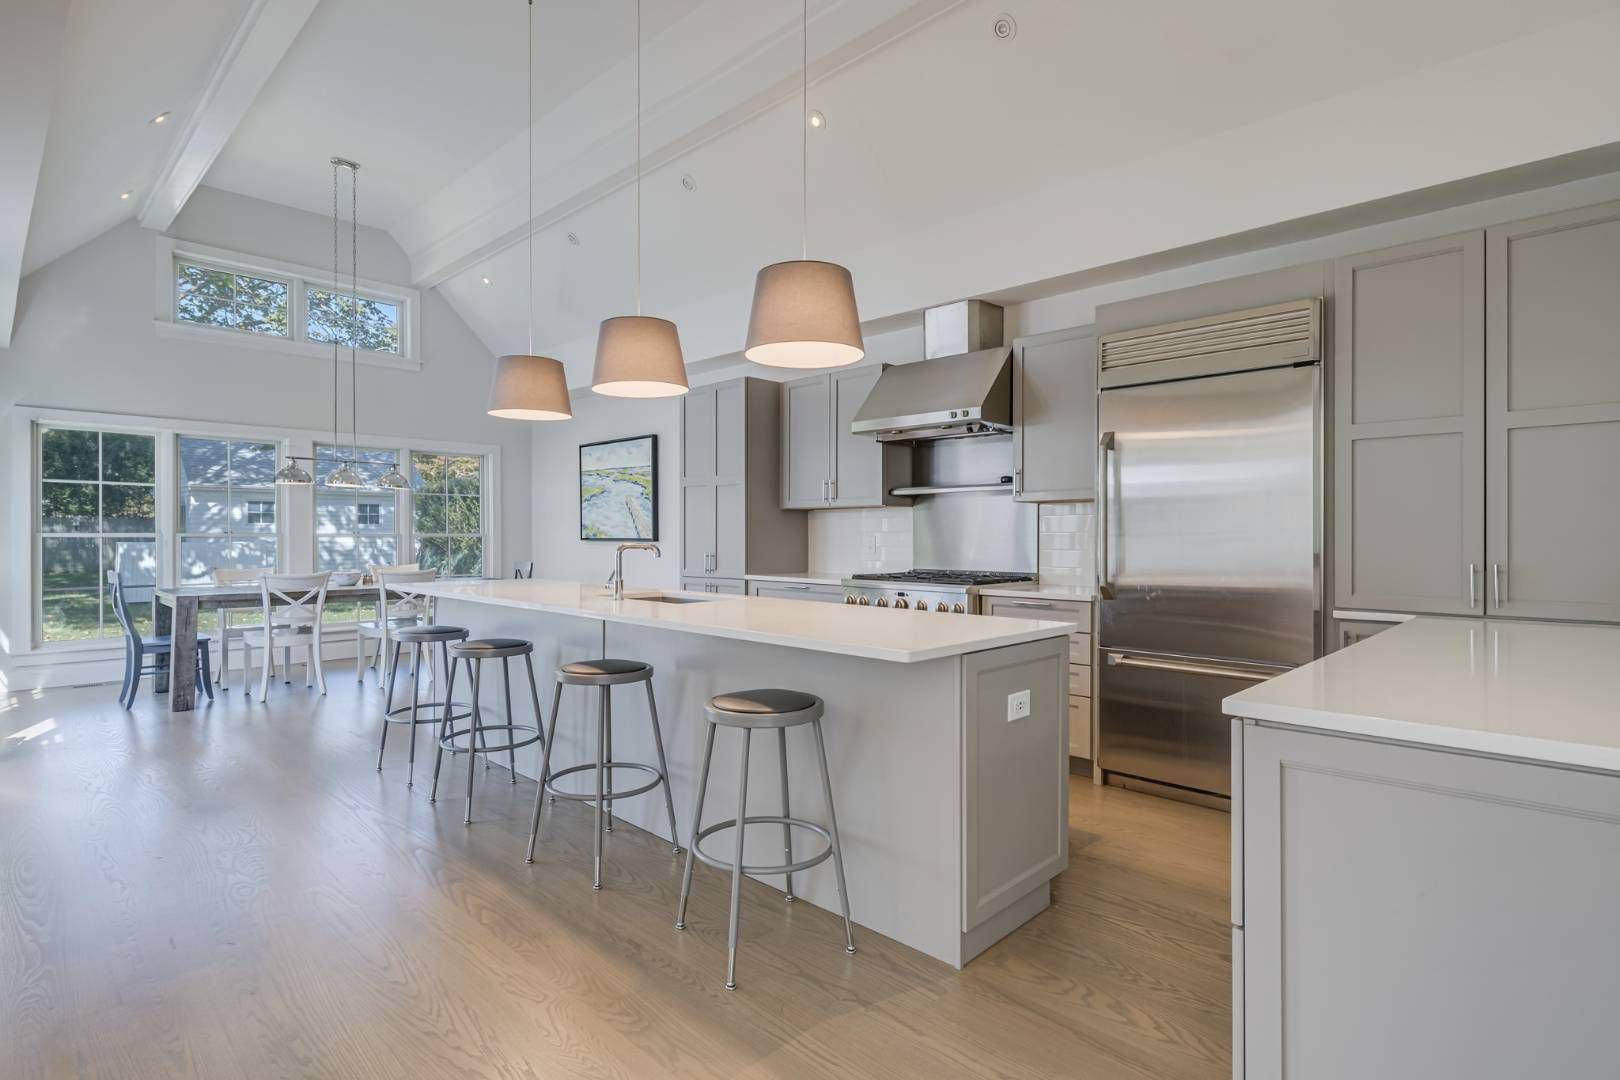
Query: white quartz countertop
[[1542, 691], [1050, 590], [873, 633], [809, 577]]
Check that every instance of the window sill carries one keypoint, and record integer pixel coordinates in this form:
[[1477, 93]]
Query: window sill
[[269, 343]]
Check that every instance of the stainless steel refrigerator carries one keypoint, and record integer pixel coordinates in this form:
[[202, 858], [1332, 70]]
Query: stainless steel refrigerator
[[1209, 533]]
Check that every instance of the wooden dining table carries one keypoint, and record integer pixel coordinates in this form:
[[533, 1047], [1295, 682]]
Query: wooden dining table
[[175, 610]]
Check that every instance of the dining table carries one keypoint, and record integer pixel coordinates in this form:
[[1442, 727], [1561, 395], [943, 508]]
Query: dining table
[[174, 613]]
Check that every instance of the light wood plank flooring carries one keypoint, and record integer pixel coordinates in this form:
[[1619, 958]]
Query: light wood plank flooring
[[237, 893]]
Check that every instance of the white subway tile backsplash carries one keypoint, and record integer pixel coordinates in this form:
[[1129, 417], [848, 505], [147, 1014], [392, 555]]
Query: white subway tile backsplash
[[1066, 542], [878, 539]]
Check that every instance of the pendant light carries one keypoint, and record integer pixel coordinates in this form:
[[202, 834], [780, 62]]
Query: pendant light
[[638, 356], [530, 387], [293, 473], [804, 312]]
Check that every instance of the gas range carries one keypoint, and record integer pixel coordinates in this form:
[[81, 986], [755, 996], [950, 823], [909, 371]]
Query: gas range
[[950, 591]]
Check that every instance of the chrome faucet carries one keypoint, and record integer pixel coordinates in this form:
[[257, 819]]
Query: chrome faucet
[[616, 579]]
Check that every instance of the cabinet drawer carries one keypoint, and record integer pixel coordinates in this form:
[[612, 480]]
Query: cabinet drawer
[[732, 586], [1080, 649], [1038, 607], [1079, 727], [1079, 679], [787, 590]]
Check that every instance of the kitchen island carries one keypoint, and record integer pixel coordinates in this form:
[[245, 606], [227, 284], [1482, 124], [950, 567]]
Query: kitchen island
[[1426, 856], [946, 739]]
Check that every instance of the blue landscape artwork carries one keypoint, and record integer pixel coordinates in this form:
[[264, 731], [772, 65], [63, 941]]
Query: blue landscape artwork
[[618, 489]]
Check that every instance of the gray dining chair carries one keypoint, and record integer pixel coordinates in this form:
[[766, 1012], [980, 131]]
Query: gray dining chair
[[523, 568], [159, 647]]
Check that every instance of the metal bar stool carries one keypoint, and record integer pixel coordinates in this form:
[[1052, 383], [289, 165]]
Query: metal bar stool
[[747, 710], [603, 674], [419, 638], [474, 653]]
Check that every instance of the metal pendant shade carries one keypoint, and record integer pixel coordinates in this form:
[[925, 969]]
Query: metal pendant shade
[[639, 356], [344, 476], [804, 316], [393, 478], [293, 473], [530, 388]]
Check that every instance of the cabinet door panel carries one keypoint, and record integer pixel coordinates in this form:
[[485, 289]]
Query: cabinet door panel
[[698, 435], [1409, 427], [697, 527], [730, 431], [857, 459], [1553, 415], [729, 544], [1055, 416], [806, 445]]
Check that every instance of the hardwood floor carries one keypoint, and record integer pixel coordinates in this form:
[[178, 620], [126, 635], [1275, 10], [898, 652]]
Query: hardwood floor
[[237, 893]]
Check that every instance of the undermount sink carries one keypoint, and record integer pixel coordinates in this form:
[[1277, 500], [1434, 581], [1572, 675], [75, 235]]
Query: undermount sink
[[660, 598]]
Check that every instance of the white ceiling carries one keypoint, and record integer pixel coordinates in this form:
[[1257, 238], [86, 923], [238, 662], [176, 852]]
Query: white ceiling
[[937, 130]]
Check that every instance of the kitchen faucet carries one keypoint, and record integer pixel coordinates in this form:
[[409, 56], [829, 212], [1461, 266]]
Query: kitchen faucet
[[616, 579]]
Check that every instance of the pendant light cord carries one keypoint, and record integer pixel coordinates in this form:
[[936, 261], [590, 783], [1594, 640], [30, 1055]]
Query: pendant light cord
[[336, 347], [804, 129], [638, 157], [530, 223], [354, 310]]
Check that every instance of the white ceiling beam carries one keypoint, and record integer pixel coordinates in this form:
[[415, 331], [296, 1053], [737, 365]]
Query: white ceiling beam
[[262, 38], [30, 51]]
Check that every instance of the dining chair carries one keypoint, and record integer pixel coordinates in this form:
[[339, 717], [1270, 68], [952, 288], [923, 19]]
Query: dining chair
[[291, 606], [137, 647], [523, 568], [392, 612]]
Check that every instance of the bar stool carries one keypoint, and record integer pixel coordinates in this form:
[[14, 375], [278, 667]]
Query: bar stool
[[421, 639], [748, 710], [474, 653], [603, 674]]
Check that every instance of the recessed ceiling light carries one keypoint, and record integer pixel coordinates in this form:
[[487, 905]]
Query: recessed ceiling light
[[159, 118], [126, 195], [1004, 26], [486, 281], [817, 119]]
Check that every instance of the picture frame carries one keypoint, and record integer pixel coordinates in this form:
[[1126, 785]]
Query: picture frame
[[618, 489]]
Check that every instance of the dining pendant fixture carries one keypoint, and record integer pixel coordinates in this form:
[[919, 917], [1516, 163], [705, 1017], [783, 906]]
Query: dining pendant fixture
[[804, 313], [638, 356], [293, 473], [526, 386]]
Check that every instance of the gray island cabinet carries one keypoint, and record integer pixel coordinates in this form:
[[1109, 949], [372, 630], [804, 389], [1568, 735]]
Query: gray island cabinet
[[1426, 857], [946, 737]]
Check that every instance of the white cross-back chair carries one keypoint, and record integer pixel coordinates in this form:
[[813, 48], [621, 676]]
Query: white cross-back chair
[[291, 606], [392, 613], [230, 635]]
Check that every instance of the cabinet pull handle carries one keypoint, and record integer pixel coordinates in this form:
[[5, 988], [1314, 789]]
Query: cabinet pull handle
[[1473, 591], [832, 491], [1496, 582], [1018, 481], [798, 588], [1030, 603]]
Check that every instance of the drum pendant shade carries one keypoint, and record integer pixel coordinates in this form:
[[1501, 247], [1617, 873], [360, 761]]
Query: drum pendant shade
[[638, 356], [529, 388], [804, 316]]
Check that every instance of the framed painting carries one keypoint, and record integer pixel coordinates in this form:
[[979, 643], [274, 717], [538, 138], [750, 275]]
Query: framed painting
[[618, 489]]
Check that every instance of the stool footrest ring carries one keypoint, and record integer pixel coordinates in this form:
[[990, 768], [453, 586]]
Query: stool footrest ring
[[768, 868], [447, 742], [607, 796], [402, 715]]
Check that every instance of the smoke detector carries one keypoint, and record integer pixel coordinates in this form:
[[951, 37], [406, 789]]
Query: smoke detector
[[573, 238], [689, 182], [1004, 26]]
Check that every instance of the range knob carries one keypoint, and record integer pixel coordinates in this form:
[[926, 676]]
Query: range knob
[[863, 601], [849, 598], [941, 606], [883, 601], [958, 609], [902, 603], [922, 606]]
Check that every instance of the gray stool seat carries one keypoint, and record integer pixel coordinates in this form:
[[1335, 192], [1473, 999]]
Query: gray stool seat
[[747, 710], [603, 672], [473, 739], [604, 675], [494, 647], [418, 638], [431, 633]]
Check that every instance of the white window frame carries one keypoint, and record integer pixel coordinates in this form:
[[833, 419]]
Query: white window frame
[[295, 511], [299, 279], [483, 498], [402, 504], [181, 536]]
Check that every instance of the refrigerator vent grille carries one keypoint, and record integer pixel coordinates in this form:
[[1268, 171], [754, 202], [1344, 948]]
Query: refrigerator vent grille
[[1277, 336]]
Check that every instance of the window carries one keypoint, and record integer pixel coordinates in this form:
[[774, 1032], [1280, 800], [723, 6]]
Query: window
[[97, 511], [221, 298], [227, 506], [333, 317], [355, 527], [448, 513]]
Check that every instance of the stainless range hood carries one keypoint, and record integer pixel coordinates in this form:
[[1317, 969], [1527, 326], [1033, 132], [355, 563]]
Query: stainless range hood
[[963, 387]]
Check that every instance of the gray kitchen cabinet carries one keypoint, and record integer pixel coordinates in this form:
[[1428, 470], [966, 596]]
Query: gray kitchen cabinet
[[719, 586], [1409, 427], [1055, 416], [732, 523], [1348, 631], [1082, 719], [797, 590], [823, 464], [1552, 405]]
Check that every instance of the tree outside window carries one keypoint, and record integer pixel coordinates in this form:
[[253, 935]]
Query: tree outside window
[[448, 513], [230, 301], [334, 317]]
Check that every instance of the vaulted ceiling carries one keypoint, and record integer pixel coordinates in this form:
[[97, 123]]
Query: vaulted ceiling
[[957, 158]]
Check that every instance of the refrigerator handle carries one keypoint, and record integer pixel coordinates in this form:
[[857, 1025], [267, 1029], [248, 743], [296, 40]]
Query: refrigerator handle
[[1186, 667], [1105, 443]]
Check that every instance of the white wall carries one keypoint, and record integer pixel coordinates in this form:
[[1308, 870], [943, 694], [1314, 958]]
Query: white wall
[[85, 341]]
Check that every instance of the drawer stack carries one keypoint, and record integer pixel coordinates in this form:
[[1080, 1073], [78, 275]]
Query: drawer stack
[[1076, 611]]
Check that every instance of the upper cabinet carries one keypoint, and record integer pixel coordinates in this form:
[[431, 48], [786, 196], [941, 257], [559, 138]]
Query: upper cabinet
[[1477, 422], [1409, 451], [823, 464], [731, 521], [1552, 415], [1055, 416]]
